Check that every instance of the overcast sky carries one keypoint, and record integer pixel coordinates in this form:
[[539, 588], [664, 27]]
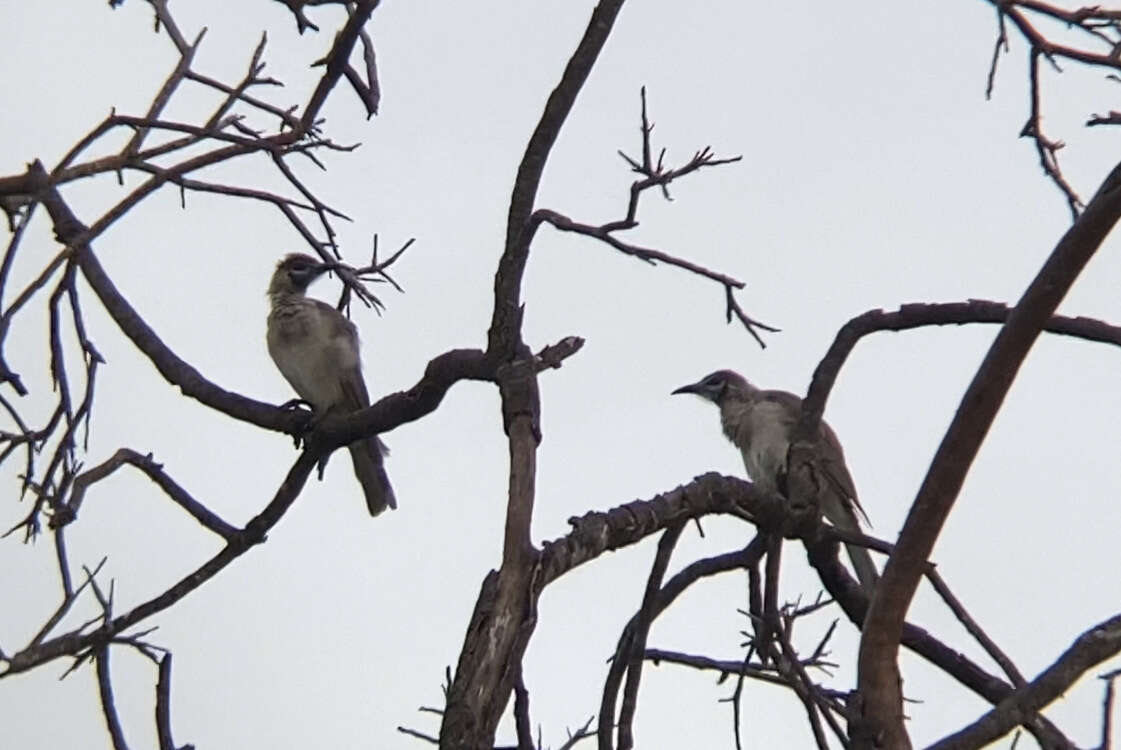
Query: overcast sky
[[874, 174]]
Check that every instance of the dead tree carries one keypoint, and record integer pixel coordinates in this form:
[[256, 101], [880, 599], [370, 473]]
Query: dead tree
[[489, 669]]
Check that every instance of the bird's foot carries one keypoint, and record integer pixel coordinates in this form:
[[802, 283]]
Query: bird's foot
[[297, 404], [304, 407]]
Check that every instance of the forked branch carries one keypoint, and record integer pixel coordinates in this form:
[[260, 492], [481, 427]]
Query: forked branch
[[656, 174]]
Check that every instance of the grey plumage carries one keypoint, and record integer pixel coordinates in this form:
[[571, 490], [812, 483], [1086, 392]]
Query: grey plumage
[[759, 423], [316, 349]]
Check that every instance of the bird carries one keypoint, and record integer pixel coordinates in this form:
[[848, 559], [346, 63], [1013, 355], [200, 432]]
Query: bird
[[759, 423], [316, 349]]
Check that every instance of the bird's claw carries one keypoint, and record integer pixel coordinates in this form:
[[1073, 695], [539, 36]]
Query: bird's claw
[[304, 407], [297, 404]]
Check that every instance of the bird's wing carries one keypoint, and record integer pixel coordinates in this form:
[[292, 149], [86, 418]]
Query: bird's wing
[[355, 395], [341, 326], [837, 472], [832, 456], [343, 336]]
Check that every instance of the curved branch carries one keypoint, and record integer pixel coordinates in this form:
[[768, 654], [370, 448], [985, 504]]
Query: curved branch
[[108, 704], [71, 231], [441, 373], [153, 471], [597, 532], [1101, 642], [854, 602], [921, 315], [1100, 29], [393, 410], [603, 233], [632, 647], [665, 596], [505, 613], [878, 670], [163, 705], [502, 338], [254, 533], [962, 614], [338, 60]]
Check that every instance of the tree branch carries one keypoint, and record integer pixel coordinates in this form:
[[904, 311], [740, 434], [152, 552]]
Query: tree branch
[[254, 533], [519, 230], [1101, 642], [108, 704], [505, 614], [853, 600], [879, 678], [630, 651]]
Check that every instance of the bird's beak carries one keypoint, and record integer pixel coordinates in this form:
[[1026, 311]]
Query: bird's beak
[[691, 388]]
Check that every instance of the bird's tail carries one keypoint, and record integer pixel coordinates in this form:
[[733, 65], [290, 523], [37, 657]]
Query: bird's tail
[[369, 466], [841, 512], [864, 567]]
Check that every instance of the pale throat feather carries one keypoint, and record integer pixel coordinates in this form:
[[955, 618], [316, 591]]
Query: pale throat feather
[[761, 430], [308, 350]]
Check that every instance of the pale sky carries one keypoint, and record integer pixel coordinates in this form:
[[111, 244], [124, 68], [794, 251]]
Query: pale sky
[[874, 174]]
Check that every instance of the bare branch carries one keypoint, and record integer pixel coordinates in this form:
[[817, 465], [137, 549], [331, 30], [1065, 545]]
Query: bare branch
[[879, 680], [337, 60], [974, 629], [648, 255], [1110, 679], [254, 533], [163, 705], [505, 612], [368, 90], [108, 705], [921, 315], [153, 471], [1101, 31], [521, 713], [723, 667], [854, 602], [1046, 148], [1101, 642], [582, 733], [503, 337], [655, 174], [629, 655], [1001, 44], [68, 599], [419, 735]]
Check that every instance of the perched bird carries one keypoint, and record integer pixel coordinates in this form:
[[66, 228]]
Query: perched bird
[[759, 423], [316, 350]]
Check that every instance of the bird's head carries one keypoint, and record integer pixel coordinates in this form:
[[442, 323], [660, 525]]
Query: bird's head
[[295, 273], [719, 386]]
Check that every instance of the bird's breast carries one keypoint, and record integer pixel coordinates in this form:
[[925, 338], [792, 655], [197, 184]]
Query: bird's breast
[[762, 433], [309, 354]]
